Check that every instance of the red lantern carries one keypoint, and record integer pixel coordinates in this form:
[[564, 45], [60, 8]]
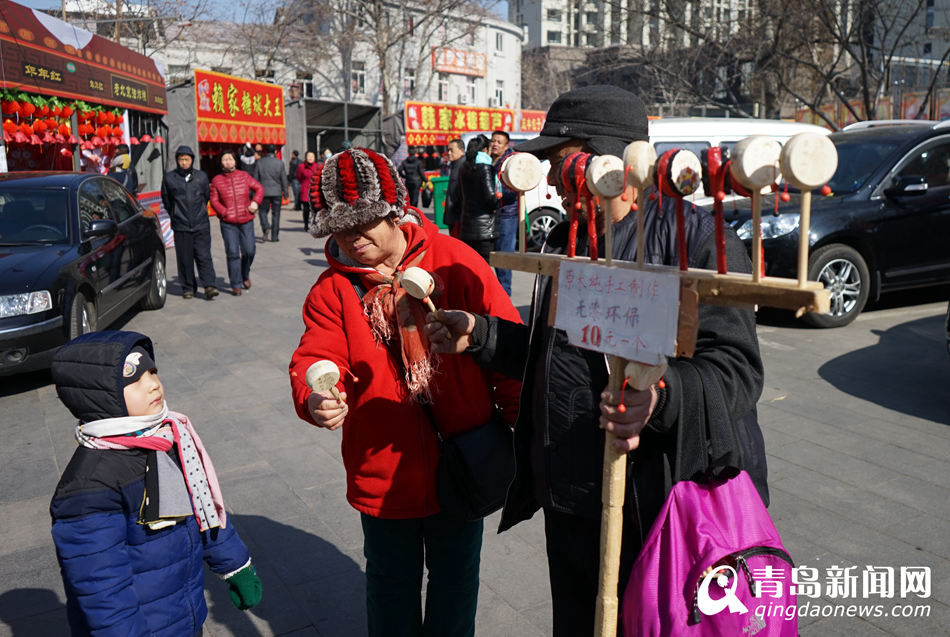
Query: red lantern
[[39, 126], [134, 141], [146, 138], [26, 129], [27, 108], [158, 139], [118, 119], [43, 110], [57, 111], [97, 141], [9, 126], [63, 129], [47, 138], [72, 139], [7, 138], [67, 111], [101, 117], [88, 145]]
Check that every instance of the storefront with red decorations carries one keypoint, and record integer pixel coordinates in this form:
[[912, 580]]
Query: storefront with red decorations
[[218, 112], [69, 97]]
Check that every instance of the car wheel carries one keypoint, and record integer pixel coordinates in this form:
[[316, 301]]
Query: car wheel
[[844, 273], [82, 316], [157, 286], [540, 223]]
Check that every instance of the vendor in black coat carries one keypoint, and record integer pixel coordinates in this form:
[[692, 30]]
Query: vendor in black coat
[[479, 203], [699, 421], [185, 195]]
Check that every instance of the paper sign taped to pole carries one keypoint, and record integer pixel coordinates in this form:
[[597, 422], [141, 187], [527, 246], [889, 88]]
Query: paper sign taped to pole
[[627, 313]]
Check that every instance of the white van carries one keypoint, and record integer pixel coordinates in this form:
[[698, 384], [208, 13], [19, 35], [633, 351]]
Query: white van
[[697, 134]]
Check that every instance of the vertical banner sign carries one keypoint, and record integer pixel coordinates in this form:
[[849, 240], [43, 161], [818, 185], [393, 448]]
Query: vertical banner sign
[[628, 313], [532, 121], [234, 110]]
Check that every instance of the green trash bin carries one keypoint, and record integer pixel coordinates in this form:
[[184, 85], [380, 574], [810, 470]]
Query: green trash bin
[[439, 187]]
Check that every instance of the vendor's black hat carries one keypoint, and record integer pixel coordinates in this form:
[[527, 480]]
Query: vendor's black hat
[[606, 117]]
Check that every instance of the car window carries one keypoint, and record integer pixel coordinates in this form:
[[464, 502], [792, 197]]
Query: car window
[[33, 216], [858, 158], [932, 163], [92, 204], [122, 206]]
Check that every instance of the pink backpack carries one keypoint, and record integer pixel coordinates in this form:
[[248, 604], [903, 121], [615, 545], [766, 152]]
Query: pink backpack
[[712, 546]]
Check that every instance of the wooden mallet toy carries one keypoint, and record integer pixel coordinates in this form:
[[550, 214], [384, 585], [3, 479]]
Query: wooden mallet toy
[[419, 284], [323, 376], [755, 165], [808, 161], [521, 172], [639, 161]]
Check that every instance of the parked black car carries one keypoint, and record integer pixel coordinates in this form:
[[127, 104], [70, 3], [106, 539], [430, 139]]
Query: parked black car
[[76, 251], [885, 226]]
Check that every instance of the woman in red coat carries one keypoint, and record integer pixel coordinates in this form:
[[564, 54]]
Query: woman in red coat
[[232, 202], [358, 316], [305, 173]]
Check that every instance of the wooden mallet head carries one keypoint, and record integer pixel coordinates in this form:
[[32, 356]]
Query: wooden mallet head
[[521, 172], [808, 160], [639, 160], [605, 176], [323, 376], [419, 284], [755, 162]]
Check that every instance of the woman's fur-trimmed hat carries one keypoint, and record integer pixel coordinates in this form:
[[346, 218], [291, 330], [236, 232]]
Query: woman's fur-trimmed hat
[[355, 187]]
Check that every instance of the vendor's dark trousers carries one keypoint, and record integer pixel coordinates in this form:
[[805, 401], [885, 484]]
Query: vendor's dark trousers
[[194, 247], [506, 242], [413, 194], [271, 204], [573, 547], [395, 551], [240, 248], [305, 206]]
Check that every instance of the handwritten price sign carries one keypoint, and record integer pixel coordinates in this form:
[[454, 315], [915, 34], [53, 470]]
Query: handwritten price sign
[[627, 313]]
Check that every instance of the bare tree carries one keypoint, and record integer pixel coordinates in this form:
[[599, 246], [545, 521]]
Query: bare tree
[[395, 37], [769, 53]]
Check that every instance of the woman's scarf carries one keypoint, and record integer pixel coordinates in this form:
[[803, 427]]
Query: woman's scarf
[[161, 432], [397, 320]]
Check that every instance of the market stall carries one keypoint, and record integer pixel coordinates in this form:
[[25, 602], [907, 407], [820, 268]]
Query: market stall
[[218, 112], [69, 98]]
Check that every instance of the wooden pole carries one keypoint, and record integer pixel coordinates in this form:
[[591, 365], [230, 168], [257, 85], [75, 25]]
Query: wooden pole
[[522, 239], [756, 236], [803, 224]]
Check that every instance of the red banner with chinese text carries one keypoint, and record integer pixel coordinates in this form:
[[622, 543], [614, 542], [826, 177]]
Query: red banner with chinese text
[[532, 121], [234, 110], [437, 123]]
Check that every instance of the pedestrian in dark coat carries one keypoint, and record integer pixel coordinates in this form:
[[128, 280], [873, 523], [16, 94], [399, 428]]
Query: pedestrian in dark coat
[[699, 421], [270, 172], [413, 174], [185, 196], [138, 510], [479, 204], [453, 197], [292, 177]]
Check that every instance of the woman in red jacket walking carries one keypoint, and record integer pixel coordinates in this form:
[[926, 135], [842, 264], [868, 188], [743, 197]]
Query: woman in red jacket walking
[[305, 173], [358, 316], [232, 202]]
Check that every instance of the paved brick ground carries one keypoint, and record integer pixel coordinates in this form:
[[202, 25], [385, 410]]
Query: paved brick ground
[[855, 421]]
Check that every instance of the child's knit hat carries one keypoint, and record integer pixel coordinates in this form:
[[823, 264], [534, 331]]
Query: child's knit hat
[[91, 372], [353, 188]]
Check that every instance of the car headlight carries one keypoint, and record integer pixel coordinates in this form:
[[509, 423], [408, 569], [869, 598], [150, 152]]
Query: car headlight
[[27, 303], [771, 226]]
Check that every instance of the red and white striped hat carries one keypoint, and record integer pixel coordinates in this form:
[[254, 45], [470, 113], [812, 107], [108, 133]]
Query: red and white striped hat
[[355, 187]]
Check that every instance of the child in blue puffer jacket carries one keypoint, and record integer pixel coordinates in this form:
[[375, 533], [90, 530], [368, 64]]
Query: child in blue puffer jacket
[[138, 508]]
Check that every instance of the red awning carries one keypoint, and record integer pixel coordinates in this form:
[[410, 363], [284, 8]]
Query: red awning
[[43, 54]]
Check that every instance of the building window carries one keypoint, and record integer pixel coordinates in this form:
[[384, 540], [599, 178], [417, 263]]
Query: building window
[[358, 77], [443, 87], [554, 15], [554, 37], [590, 39], [591, 18], [301, 75], [499, 42], [470, 38], [409, 82], [500, 92], [471, 90]]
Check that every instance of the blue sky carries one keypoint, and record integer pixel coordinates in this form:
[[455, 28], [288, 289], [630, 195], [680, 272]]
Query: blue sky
[[225, 6]]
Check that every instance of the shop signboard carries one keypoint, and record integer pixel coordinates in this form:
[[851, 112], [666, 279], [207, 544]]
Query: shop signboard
[[235, 110], [433, 123], [42, 54]]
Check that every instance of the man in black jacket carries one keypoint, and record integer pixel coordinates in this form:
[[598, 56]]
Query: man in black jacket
[[700, 419], [271, 173], [292, 177], [413, 174], [453, 197], [185, 195]]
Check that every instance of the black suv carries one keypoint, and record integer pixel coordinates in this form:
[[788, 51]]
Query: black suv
[[885, 226]]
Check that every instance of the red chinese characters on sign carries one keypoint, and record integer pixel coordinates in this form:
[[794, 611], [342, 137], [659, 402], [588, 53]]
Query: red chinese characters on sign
[[459, 62], [437, 123], [532, 121], [235, 110]]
